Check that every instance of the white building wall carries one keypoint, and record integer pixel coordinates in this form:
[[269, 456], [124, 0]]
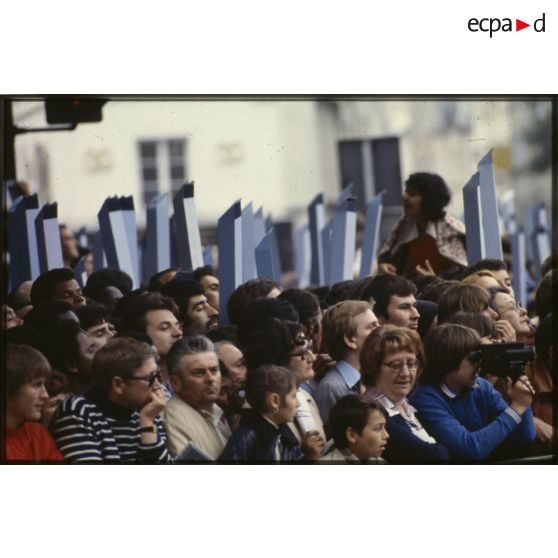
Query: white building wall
[[276, 154]]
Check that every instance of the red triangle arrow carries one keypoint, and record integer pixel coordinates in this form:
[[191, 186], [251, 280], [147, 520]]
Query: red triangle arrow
[[519, 25]]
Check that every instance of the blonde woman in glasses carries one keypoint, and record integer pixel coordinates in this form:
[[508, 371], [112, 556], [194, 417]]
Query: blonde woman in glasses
[[391, 360]]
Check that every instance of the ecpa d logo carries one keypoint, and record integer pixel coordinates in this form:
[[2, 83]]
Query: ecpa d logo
[[494, 24]]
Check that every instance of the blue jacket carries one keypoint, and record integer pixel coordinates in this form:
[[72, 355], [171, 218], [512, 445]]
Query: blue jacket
[[255, 440], [403, 445], [474, 423]]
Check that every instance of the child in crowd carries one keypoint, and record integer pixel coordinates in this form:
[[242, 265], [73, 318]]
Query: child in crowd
[[263, 434], [359, 431], [26, 439]]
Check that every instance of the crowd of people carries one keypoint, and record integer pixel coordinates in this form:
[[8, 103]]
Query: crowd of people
[[391, 368]]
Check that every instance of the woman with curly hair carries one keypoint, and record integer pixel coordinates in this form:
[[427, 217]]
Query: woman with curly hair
[[426, 239], [392, 359]]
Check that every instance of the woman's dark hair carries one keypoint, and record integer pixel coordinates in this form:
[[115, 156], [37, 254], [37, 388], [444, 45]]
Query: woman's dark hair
[[445, 347], [481, 323], [306, 304], [350, 411], [272, 342], [256, 312], [469, 298], [243, 294], [265, 379], [434, 192], [23, 365]]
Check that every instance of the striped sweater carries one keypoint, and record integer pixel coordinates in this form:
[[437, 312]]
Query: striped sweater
[[92, 428]]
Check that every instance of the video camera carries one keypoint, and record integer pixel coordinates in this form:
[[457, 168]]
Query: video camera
[[503, 359]]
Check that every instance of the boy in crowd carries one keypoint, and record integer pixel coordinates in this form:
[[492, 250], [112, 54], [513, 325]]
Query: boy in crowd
[[26, 439], [358, 429]]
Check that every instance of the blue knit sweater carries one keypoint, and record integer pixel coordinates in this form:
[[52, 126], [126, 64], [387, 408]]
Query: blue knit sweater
[[474, 423]]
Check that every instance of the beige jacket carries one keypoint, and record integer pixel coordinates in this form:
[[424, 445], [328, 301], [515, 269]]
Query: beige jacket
[[186, 425]]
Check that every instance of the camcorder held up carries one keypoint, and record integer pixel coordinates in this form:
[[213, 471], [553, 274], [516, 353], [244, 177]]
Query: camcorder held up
[[503, 359]]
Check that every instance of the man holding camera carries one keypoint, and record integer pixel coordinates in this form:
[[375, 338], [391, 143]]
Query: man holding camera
[[462, 410]]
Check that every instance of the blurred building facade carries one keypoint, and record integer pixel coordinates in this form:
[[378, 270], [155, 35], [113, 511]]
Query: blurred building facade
[[276, 153]]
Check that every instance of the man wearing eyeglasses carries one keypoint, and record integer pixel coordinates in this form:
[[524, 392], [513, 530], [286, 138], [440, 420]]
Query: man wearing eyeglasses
[[117, 420]]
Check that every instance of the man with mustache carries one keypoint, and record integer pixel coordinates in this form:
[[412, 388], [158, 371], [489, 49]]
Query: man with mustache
[[193, 419], [197, 315]]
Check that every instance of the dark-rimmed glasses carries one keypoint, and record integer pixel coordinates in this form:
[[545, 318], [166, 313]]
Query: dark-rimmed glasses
[[149, 379]]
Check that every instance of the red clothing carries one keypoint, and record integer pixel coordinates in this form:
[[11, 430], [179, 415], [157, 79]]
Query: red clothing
[[424, 248], [31, 442]]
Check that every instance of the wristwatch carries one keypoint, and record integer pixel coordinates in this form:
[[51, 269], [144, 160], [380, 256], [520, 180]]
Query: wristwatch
[[148, 429]]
